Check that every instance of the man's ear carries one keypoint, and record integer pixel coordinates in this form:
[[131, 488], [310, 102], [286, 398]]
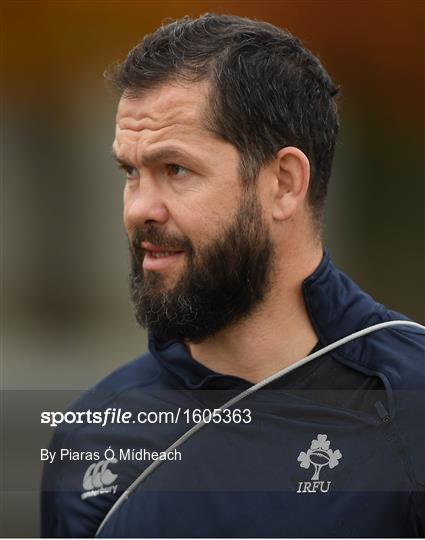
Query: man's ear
[[292, 177]]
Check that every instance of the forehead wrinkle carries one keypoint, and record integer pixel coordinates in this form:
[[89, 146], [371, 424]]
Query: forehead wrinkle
[[139, 128], [135, 125], [157, 110]]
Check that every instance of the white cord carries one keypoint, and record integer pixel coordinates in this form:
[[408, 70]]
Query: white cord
[[155, 464]]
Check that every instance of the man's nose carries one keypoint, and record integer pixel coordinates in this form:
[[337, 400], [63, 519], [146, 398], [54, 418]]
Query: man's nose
[[145, 205]]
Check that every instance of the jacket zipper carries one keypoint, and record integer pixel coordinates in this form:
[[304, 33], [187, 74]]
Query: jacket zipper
[[383, 414]]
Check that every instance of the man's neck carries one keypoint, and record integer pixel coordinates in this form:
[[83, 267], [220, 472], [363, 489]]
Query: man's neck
[[276, 335]]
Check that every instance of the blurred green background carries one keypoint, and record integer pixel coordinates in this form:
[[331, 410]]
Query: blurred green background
[[66, 318]]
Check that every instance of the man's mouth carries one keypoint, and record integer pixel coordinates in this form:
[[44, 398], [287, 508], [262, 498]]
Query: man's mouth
[[158, 254], [157, 258]]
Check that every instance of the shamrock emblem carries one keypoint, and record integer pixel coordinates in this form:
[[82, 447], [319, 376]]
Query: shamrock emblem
[[319, 454]]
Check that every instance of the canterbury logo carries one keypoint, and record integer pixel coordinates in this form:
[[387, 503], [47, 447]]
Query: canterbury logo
[[98, 475], [98, 479]]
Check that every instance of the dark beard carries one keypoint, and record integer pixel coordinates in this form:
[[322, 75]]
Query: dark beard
[[222, 283]]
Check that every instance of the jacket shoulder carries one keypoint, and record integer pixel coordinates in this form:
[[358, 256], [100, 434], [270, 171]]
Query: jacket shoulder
[[398, 352]]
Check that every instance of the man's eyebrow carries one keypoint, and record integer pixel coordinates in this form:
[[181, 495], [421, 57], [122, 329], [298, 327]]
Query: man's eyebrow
[[119, 160], [162, 154]]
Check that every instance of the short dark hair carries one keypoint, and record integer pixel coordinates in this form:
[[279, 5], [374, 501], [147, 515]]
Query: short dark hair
[[267, 90]]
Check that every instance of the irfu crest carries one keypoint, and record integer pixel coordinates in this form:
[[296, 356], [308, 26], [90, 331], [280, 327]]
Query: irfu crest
[[319, 455]]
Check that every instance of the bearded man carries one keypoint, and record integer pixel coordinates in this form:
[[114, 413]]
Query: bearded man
[[225, 133]]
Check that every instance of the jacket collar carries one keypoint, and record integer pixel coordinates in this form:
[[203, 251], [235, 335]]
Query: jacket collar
[[335, 305], [175, 357]]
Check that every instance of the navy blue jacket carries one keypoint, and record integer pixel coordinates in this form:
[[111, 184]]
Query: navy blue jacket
[[301, 468]]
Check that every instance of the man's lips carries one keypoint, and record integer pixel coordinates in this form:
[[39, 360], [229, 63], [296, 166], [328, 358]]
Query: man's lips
[[147, 246], [157, 257]]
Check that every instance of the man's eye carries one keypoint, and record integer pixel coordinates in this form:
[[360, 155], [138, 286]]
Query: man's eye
[[176, 170], [131, 173]]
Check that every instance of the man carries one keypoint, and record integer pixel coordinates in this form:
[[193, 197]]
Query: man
[[225, 132]]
